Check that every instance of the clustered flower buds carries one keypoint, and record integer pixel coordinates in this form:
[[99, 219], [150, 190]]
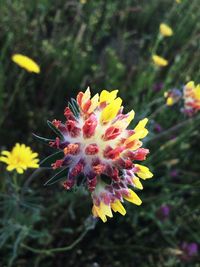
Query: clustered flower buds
[[98, 147]]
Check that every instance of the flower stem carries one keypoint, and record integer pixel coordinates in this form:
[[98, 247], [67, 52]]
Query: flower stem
[[61, 249], [174, 128]]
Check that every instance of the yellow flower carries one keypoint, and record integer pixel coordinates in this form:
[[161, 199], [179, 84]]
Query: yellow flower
[[178, 1], [20, 158], [165, 30], [83, 2], [26, 63], [191, 94], [172, 96], [169, 101], [159, 61]]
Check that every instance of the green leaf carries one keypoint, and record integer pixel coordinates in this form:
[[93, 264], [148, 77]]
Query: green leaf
[[57, 177], [54, 129], [42, 139], [51, 159], [74, 107]]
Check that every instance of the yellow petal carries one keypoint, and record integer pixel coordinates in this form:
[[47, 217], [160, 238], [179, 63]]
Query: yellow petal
[[159, 61], [26, 63], [138, 135], [94, 103], [107, 96], [190, 85], [130, 117], [20, 170], [140, 126], [137, 144], [97, 213], [165, 30], [102, 211], [137, 183], [143, 172], [4, 159], [86, 96], [118, 207], [5, 153], [111, 110], [197, 91], [169, 101], [105, 209], [123, 123], [133, 198]]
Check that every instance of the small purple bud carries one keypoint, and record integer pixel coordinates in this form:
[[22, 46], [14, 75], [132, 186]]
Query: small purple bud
[[158, 128], [163, 212], [174, 173]]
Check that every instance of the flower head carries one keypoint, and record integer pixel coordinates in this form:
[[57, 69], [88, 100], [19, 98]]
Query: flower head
[[165, 30], [189, 251], [97, 145], [191, 94], [172, 96], [159, 61], [26, 63], [20, 158]]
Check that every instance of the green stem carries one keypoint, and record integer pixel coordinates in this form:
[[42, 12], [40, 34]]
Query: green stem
[[61, 249], [12, 98], [174, 128], [15, 182]]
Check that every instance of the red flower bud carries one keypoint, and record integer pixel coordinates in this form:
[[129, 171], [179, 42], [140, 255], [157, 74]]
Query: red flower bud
[[90, 126]]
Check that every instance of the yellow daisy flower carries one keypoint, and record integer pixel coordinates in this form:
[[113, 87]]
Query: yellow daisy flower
[[26, 63], [20, 158], [165, 30], [159, 61]]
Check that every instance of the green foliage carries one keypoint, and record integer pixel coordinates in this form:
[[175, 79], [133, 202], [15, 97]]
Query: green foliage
[[105, 45]]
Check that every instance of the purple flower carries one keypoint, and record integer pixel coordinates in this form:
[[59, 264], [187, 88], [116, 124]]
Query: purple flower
[[163, 212], [157, 128], [189, 251]]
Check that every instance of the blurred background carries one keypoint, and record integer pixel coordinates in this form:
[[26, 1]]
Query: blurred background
[[104, 45]]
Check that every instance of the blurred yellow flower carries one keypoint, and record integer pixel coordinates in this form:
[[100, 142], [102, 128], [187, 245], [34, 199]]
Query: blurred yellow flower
[[83, 1], [165, 30], [159, 61], [26, 63], [172, 96], [178, 1], [169, 101], [20, 158]]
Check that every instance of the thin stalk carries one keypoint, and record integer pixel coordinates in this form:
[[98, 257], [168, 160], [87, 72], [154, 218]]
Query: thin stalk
[[61, 249]]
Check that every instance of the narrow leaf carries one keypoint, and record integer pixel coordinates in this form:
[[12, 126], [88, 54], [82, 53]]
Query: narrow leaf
[[57, 177], [75, 104], [42, 139], [54, 129], [74, 107], [51, 159]]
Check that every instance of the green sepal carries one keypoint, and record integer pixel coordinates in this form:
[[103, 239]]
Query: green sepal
[[51, 159], [57, 177]]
